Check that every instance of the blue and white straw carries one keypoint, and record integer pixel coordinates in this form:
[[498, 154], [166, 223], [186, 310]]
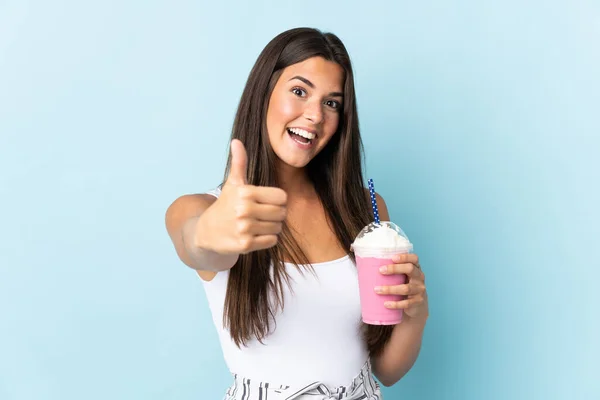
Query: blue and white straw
[[374, 201]]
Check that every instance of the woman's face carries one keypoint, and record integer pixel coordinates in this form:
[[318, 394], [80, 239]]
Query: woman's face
[[304, 110]]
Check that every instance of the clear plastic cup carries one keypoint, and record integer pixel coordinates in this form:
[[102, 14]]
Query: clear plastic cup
[[370, 255]]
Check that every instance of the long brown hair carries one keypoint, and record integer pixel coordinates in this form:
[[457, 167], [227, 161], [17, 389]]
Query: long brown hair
[[336, 173]]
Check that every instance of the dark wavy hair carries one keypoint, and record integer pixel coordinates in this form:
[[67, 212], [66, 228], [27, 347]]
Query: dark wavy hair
[[336, 173]]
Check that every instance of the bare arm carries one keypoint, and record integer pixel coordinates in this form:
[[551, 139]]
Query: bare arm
[[401, 352], [187, 228], [209, 234]]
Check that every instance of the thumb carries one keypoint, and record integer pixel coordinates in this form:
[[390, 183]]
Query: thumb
[[239, 163]]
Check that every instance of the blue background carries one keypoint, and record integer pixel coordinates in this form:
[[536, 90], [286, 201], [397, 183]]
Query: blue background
[[481, 125]]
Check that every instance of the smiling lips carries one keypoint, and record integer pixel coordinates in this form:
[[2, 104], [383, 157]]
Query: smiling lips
[[302, 136]]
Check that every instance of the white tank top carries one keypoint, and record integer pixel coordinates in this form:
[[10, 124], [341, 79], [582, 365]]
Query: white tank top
[[317, 336]]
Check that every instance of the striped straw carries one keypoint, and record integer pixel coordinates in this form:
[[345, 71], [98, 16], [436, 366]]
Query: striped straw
[[374, 201]]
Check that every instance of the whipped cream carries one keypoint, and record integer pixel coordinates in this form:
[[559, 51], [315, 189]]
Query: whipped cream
[[374, 240], [382, 237]]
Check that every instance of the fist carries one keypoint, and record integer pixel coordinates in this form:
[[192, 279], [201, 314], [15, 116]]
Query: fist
[[244, 218]]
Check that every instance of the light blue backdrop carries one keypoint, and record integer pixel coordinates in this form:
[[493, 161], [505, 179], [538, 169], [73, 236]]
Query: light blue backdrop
[[481, 125]]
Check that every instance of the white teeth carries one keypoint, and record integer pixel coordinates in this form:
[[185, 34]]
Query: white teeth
[[303, 133]]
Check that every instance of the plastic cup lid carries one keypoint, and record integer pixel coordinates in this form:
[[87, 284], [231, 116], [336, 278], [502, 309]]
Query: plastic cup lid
[[387, 225]]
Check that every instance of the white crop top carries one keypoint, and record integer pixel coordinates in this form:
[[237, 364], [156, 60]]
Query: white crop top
[[317, 336]]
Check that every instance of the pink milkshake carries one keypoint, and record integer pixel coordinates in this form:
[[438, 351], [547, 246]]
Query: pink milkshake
[[374, 247]]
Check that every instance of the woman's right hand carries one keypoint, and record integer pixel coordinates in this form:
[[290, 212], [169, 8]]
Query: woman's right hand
[[244, 218]]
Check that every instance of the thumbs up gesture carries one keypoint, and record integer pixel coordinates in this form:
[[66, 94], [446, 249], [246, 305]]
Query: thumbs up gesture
[[244, 218]]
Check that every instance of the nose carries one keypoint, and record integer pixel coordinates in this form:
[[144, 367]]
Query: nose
[[314, 112]]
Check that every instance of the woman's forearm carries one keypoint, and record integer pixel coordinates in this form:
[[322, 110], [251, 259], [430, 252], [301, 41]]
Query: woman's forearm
[[401, 352], [202, 257]]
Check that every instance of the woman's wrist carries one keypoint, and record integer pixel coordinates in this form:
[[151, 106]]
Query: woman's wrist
[[199, 249]]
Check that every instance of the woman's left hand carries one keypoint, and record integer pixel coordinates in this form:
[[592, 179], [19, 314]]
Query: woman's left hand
[[415, 304]]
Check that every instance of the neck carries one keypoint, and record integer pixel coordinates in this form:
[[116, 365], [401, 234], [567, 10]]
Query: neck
[[295, 182]]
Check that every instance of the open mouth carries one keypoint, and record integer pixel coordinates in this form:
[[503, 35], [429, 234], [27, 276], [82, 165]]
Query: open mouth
[[301, 136]]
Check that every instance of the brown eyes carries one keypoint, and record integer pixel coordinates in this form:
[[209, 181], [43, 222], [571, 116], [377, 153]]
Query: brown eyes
[[329, 103], [299, 92], [333, 104]]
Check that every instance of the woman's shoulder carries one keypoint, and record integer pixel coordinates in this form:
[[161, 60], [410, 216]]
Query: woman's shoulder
[[203, 199], [378, 197], [188, 205], [381, 205], [216, 192]]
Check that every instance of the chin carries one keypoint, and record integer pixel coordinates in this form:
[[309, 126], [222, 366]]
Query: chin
[[296, 158], [294, 162]]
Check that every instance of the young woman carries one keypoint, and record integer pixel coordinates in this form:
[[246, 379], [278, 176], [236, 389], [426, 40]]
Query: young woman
[[271, 243]]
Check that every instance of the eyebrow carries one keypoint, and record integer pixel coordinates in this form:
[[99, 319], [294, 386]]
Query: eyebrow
[[312, 86]]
